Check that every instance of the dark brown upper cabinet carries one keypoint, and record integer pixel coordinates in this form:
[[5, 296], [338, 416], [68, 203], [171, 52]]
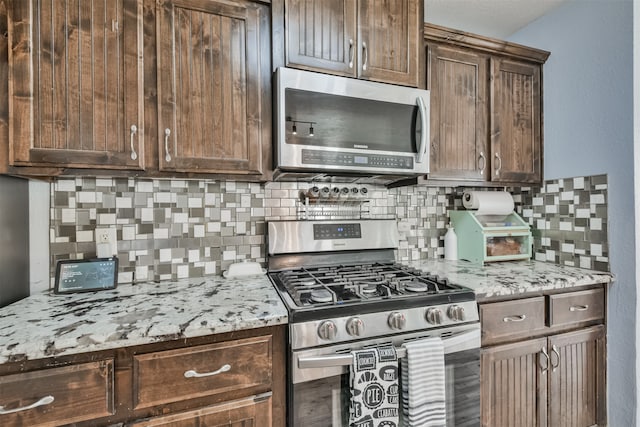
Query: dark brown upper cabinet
[[156, 88], [377, 41], [214, 68], [516, 122], [459, 143], [486, 108], [75, 84]]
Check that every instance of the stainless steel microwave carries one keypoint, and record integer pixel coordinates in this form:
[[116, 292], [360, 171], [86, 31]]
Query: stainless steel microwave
[[329, 126]]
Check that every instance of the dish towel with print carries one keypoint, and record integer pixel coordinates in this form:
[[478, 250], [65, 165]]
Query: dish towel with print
[[423, 383], [374, 388]]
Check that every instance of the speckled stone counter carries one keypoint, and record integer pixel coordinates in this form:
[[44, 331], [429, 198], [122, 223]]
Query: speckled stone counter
[[512, 278], [47, 325]]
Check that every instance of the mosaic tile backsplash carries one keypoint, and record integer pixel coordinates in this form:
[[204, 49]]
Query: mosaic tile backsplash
[[568, 219], [170, 229]]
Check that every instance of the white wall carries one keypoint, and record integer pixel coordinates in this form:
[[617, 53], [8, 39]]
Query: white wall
[[588, 129], [39, 201]]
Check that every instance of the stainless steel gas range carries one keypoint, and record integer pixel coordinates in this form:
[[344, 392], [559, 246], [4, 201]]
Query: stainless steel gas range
[[345, 292]]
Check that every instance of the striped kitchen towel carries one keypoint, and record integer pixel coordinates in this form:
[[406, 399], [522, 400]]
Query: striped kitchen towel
[[374, 388], [423, 383]]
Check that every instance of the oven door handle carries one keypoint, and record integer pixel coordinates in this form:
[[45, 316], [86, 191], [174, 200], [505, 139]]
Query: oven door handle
[[464, 341]]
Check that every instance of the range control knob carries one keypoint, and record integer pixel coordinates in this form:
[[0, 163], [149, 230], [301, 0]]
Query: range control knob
[[355, 327], [456, 313], [327, 330], [397, 320], [434, 316]]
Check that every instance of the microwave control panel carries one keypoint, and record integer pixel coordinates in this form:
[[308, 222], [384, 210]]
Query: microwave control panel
[[317, 157]]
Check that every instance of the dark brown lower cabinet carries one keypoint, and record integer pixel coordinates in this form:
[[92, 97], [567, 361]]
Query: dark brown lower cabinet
[[557, 377], [577, 389], [250, 412], [231, 379], [555, 381], [514, 384], [57, 396]]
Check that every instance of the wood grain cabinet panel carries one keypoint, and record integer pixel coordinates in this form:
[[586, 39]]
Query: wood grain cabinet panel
[[217, 369], [250, 412], [459, 112], [322, 35], [66, 395], [516, 121], [556, 378], [75, 84], [356, 38], [389, 41], [509, 320], [213, 86], [576, 307], [514, 384], [486, 108], [577, 382]]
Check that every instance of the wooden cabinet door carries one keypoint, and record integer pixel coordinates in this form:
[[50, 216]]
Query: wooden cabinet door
[[250, 412], [389, 45], [213, 86], [457, 80], [75, 84], [514, 384], [321, 35], [516, 140], [577, 389]]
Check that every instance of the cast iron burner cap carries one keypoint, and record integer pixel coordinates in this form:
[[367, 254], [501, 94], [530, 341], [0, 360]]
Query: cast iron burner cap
[[321, 295], [368, 288], [415, 286]]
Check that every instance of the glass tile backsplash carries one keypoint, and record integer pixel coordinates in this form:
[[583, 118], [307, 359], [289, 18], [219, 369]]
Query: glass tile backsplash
[[170, 229]]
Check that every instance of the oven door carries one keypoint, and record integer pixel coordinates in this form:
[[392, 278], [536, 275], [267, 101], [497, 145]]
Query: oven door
[[319, 388]]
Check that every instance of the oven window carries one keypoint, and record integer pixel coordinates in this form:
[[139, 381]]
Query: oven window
[[322, 403], [462, 381], [325, 402]]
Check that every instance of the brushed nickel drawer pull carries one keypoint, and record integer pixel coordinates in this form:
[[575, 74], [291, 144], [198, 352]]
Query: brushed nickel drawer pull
[[193, 374], [350, 53], [545, 368], [366, 56], [167, 132], [134, 131], [42, 402], [484, 162], [554, 349], [579, 307], [499, 164], [518, 318]]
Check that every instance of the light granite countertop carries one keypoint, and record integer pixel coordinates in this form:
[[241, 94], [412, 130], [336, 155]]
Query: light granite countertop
[[45, 325], [499, 280]]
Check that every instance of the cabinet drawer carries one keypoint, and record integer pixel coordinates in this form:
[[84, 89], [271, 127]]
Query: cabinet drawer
[[511, 319], [575, 307], [80, 392], [250, 411], [208, 370]]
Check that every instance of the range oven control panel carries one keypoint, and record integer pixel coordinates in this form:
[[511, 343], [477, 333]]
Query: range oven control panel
[[383, 323], [336, 231]]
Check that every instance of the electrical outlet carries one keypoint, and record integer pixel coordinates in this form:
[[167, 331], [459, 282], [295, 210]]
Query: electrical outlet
[[106, 242]]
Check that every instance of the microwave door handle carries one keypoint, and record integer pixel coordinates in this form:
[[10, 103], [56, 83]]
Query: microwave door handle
[[464, 341], [424, 135]]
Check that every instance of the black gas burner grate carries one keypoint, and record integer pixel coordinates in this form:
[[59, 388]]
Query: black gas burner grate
[[343, 284]]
